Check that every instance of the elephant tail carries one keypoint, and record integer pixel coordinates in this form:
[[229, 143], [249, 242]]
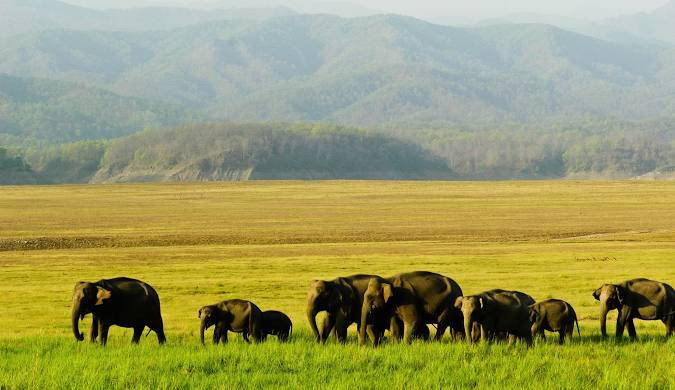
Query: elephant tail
[[577, 322]]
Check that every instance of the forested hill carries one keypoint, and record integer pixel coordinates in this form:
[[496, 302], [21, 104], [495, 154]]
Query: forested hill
[[381, 71], [36, 111], [265, 151]]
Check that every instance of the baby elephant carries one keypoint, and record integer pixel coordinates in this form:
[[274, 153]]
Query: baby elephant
[[234, 315], [553, 315], [276, 323]]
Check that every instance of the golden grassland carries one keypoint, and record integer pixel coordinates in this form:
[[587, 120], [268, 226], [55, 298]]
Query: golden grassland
[[264, 241]]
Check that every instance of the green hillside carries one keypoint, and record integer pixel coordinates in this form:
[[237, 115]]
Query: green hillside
[[37, 111], [374, 71], [264, 151]]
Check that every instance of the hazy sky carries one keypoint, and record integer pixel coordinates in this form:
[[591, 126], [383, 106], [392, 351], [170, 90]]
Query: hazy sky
[[491, 8], [471, 9]]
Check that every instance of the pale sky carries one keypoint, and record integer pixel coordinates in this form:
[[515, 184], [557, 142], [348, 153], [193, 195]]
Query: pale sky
[[469, 9]]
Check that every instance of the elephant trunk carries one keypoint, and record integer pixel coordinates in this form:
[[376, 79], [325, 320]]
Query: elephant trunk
[[468, 327], [76, 320], [603, 318], [311, 317], [364, 323], [202, 328]]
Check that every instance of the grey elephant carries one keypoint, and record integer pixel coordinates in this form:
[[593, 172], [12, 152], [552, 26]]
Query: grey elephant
[[277, 324], [233, 315], [341, 299], [553, 315], [497, 312], [412, 299], [124, 302], [636, 298]]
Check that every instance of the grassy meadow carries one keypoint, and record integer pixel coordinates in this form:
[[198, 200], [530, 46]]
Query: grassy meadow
[[265, 241]]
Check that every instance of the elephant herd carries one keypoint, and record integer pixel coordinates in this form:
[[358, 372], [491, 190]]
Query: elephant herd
[[404, 305]]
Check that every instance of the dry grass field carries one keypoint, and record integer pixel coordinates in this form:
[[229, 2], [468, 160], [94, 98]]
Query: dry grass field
[[264, 241]]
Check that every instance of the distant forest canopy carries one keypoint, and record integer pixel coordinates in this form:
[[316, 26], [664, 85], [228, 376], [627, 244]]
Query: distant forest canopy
[[230, 151]]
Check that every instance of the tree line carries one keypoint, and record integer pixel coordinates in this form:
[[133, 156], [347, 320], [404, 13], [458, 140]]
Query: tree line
[[586, 149]]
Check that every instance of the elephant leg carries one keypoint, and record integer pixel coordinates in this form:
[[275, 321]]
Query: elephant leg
[[93, 333], [104, 333], [157, 326], [621, 319], [443, 324], [161, 337], [395, 326], [327, 326], [244, 334], [373, 334], [223, 336], [408, 331], [631, 328], [570, 330], [561, 338], [138, 332], [484, 334], [341, 327]]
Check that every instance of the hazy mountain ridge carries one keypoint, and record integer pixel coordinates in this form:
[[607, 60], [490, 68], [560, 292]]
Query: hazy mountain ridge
[[26, 16], [46, 111], [302, 68]]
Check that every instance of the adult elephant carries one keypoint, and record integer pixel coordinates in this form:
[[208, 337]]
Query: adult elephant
[[636, 298], [414, 299], [497, 311], [124, 302], [341, 299]]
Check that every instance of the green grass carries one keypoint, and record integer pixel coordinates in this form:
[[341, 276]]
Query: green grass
[[48, 362], [201, 243]]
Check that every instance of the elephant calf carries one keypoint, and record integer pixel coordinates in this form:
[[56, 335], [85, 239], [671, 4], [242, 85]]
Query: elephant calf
[[553, 315], [276, 323], [234, 315], [497, 312]]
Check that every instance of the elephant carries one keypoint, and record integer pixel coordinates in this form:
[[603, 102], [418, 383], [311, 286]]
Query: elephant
[[412, 299], [636, 298], [554, 315], [233, 315], [497, 312], [124, 302], [276, 323], [341, 299]]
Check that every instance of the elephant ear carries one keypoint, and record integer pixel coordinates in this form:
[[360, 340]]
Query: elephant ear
[[596, 293], [388, 292], [101, 295], [533, 313], [458, 302]]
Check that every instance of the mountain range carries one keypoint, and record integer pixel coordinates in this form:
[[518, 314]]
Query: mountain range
[[374, 71], [501, 100], [37, 111], [25, 16]]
